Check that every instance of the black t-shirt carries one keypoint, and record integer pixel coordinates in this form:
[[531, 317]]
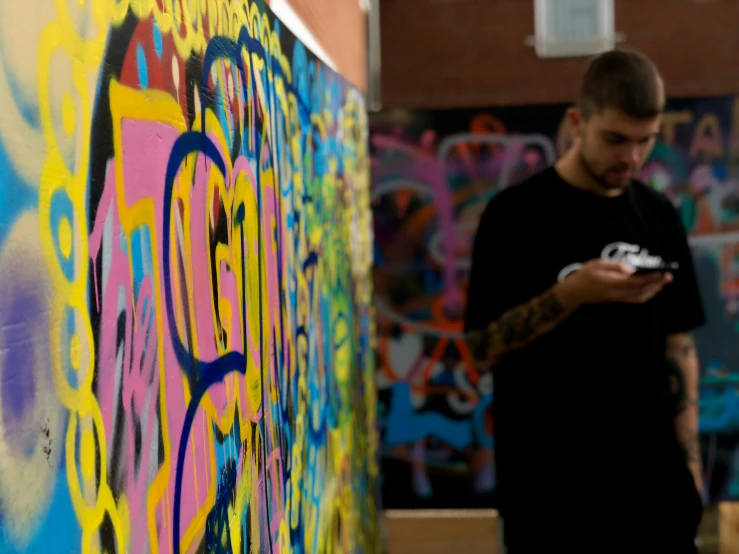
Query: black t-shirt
[[582, 411]]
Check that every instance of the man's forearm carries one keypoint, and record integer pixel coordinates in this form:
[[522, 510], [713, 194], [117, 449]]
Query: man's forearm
[[681, 350], [518, 327]]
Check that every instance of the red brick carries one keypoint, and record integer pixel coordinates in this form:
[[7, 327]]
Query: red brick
[[455, 53]]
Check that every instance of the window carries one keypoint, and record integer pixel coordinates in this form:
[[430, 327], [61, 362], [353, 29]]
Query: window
[[568, 28]]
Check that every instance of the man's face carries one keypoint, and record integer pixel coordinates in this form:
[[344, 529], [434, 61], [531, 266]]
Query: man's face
[[612, 146]]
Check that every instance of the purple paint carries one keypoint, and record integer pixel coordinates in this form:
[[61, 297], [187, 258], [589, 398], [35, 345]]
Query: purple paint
[[428, 169], [18, 372]]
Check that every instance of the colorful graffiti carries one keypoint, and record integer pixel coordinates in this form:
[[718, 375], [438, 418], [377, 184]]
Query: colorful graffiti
[[432, 174], [186, 320]]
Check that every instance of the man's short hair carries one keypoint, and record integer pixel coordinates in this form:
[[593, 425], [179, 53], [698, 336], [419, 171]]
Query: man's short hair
[[625, 80]]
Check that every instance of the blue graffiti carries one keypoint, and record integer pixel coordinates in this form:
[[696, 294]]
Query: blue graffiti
[[405, 426]]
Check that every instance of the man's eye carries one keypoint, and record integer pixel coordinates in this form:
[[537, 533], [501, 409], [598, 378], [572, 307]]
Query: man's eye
[[614, 140]]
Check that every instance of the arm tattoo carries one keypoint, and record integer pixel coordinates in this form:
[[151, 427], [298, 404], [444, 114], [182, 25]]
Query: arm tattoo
[[521, 324], [516, 328], [679, 350], [479, 342], [691, 446], [684, 403], [682, 355]]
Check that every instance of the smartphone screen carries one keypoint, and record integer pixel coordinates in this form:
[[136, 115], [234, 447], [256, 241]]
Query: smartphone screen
[[664, 268]]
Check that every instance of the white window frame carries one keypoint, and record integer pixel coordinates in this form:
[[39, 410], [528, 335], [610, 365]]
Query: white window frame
[[548, 46]]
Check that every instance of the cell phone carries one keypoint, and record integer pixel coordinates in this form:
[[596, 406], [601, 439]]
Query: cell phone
[[667, 267]]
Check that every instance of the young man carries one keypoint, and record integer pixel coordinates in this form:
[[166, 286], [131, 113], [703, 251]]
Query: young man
[[593, 451]]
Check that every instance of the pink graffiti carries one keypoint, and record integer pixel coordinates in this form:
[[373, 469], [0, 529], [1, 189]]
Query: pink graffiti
[[429, 170], [143, 172]]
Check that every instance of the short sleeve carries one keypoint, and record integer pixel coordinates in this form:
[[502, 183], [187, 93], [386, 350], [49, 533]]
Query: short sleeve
[[490, 277], [684, 310]]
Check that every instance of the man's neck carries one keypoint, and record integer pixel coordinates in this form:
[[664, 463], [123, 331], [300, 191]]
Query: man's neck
[[571, 169]]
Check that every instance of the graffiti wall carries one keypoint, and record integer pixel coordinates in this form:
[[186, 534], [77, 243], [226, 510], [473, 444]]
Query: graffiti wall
[[186, 328], [433, 172]]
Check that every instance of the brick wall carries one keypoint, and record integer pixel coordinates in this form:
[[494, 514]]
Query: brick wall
[[453, 53], [341, 29]]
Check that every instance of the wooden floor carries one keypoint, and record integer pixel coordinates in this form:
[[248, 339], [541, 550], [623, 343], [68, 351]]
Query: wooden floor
[[476, 531]]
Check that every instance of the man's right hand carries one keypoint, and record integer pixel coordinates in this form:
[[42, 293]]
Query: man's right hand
[[599, 281]]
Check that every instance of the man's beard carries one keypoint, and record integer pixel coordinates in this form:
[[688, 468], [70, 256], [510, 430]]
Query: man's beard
[[601, 180]]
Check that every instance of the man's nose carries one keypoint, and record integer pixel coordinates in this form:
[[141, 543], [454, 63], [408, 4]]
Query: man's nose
[[631, 155]]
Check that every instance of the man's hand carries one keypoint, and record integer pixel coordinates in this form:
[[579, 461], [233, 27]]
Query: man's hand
[[599, 281], [596, 282]]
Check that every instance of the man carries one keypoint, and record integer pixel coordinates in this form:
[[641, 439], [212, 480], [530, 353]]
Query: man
[[593, 453]]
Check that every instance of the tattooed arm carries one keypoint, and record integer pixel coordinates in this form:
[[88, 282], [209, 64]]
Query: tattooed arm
[[681, 350], [519, 326], [595, 282]]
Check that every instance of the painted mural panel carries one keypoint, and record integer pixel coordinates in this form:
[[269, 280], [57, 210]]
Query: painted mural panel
[[186, 326], [432, 174]]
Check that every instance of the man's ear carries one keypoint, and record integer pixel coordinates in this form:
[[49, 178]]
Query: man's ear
[[575, 118]]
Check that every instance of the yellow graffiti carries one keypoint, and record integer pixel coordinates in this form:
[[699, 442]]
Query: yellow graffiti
[[327, 515]]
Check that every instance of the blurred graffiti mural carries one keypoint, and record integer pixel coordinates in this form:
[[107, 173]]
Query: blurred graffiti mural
[[433, 172], [186, 324]]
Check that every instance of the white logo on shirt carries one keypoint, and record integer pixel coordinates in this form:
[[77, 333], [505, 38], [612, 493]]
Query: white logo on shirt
[[623, 252]]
